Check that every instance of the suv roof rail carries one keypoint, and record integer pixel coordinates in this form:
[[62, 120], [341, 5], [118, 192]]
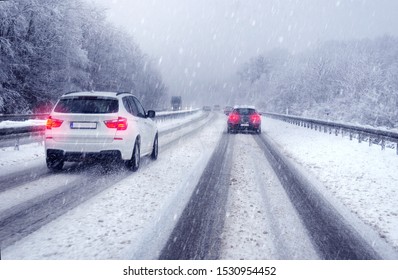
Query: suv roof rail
[[70, 92], [123, 92]]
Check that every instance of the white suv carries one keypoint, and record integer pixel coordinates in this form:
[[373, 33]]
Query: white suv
[[100, 126]]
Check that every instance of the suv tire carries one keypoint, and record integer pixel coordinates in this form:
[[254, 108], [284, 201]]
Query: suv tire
[[134, 163], [54, 163], [155, 148]]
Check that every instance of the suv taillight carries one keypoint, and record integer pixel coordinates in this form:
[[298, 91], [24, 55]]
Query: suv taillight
[[234, 118], [51, 123], [119, 123], [255, 118]]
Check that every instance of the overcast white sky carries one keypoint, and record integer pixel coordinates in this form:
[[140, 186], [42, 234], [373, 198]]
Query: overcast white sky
[[201, 41]]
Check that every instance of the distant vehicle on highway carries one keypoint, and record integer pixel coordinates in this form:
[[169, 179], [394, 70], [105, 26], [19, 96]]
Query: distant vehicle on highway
[[228, 110], [176, 103], [216, 107], [244, 118], [206, 108], [104, 126]]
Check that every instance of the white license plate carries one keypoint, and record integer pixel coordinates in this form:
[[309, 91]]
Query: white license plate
[[244, 124], [83, 125]]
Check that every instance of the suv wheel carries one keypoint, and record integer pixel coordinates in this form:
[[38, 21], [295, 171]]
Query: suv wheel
[[134, 163], [155, 149], [54, 163]]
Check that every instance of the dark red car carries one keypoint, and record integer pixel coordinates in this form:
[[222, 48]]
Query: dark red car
[[244, 119]]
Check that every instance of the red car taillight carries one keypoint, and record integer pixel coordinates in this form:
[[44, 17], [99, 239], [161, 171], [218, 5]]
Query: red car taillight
[[51, 123], [120, 123], [234, 118], [255, 118]]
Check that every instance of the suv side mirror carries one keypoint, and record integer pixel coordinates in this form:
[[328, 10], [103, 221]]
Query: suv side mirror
[[150, 114]]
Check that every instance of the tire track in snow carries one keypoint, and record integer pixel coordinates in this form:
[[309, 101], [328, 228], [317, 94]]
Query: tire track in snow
[[331, 233], [197, 233], [50, 202], [116, 223], [261, 223]]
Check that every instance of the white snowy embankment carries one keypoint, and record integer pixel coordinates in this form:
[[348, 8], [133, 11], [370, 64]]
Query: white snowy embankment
[[363, 178]]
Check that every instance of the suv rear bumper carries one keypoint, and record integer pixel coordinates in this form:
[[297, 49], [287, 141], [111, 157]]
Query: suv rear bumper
[[73, 150], [105, 155]]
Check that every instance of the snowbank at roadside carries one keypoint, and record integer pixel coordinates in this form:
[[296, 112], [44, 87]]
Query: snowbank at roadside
[[363, 178]]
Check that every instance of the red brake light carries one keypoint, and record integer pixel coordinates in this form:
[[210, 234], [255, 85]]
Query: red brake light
[[255, 118], [120, 123], [234, 118], [53, 123]]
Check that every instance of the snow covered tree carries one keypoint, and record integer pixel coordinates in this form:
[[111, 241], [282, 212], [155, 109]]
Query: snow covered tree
[[353, 81], [48, 47]]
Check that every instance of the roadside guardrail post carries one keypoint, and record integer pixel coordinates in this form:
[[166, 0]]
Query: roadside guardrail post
[[383, 144], [16, 147], [41, 142]]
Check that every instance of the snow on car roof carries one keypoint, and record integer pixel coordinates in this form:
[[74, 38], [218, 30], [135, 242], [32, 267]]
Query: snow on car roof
[[244, 106], [94, 93]]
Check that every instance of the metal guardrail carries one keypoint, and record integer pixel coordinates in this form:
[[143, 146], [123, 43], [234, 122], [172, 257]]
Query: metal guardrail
[[160, 116], [373, 136], [16, 133], [18, 117]]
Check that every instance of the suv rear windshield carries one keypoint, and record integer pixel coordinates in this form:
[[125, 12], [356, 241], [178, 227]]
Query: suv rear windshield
[[87, 105], [245, 111]]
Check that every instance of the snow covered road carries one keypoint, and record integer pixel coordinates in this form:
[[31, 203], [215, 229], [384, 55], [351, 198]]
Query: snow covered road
[[261, 222], [134, 216], [359, 180], [114, 223]]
